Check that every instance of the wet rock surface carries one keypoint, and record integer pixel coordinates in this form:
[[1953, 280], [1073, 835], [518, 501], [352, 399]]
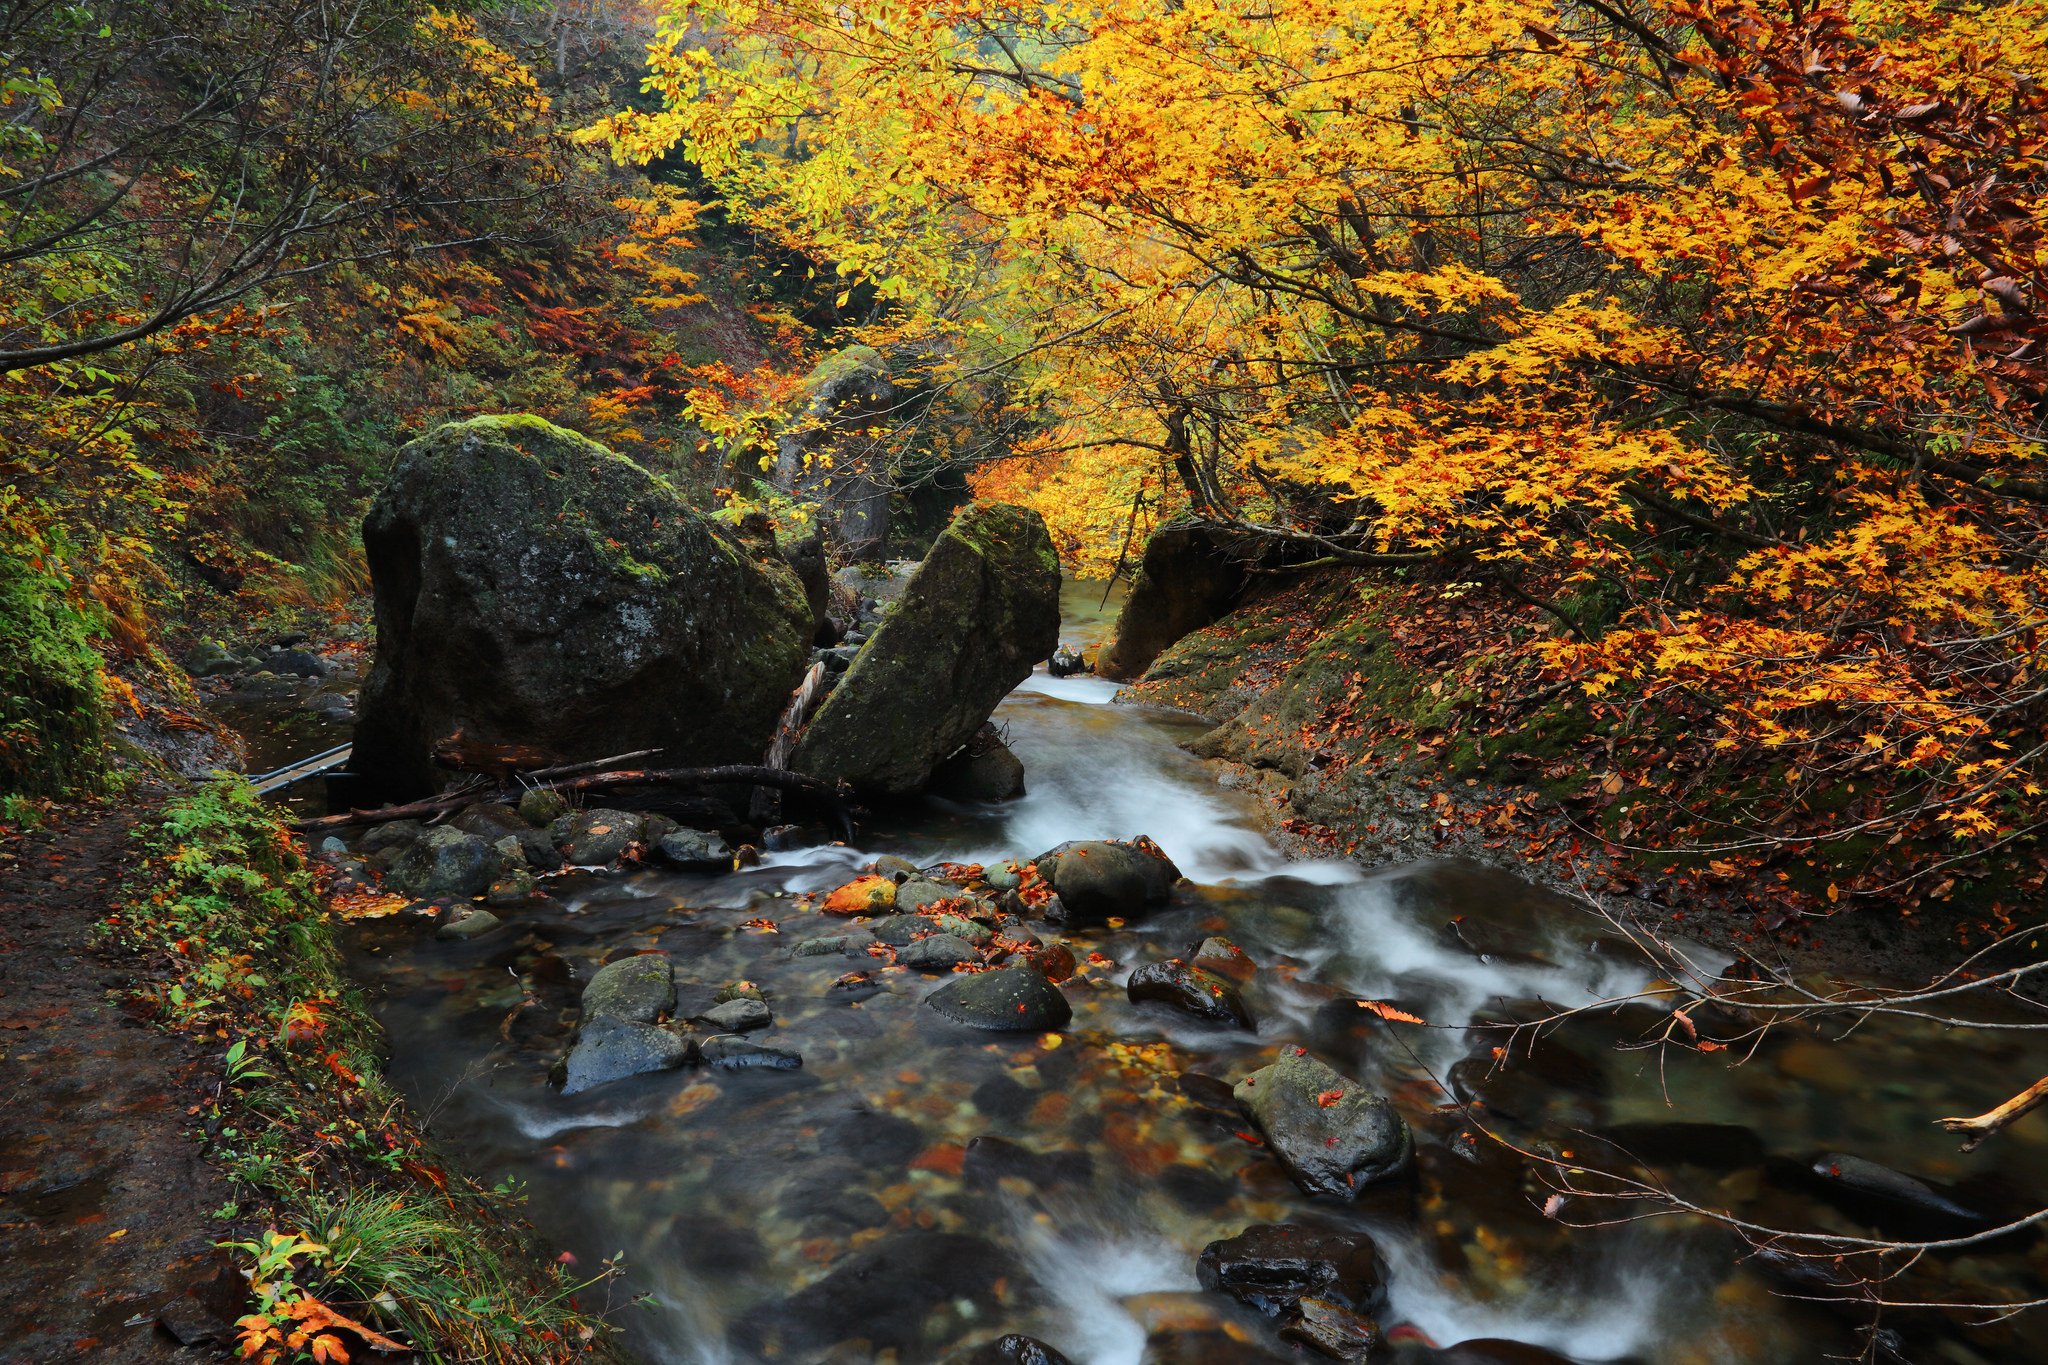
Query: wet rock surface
[[1333, 1136], [1100, 879], [609, 1048], [1014, 999], [1271, 1267], [528, 592], [1190, 991], [979, 611]]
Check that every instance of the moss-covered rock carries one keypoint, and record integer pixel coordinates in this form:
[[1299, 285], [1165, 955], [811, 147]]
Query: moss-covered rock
[[534, 588], [980, 611], [1191, 575]]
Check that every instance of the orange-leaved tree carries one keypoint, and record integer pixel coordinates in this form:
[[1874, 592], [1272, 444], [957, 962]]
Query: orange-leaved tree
[[1713, 327]]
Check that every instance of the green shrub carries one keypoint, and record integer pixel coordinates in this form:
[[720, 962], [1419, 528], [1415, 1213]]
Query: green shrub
[[53, 702]]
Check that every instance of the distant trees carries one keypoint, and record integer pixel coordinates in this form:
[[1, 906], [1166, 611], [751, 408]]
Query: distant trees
[[160, 162]]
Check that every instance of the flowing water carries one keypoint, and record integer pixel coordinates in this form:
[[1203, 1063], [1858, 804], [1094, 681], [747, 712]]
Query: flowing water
[[836, 1212]]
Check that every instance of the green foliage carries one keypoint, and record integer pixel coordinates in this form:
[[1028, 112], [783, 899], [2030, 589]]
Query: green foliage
[[53, 703], [353, 1213]]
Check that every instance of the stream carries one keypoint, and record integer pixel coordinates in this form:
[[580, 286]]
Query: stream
[[839, 1212]]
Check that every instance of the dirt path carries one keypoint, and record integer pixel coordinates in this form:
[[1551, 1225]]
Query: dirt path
[[106, 1210]]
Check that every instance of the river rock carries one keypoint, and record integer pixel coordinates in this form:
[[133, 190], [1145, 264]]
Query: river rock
[[1016, 1349], [936, 953], [1098, 879], [853, 943], [445, 862], [298, 663], [540, 807], [881, 1295], [488, 820], [1013, 999], [1220, 957], [467, 924], [1330, 1329], [898, 931], [694, 850], [639, 989], [725, 1053], [985, 770], [610, 1049], [515, 887], [593, 838], [534, 588], [1333, 1136], [1190, 990], [1271, 1266], [743, 1015], [1190, 576], [919, 894], [981, 609]]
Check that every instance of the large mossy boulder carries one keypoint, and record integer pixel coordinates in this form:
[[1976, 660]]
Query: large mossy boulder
[[980, 611], [1191, 576], [534, 588]]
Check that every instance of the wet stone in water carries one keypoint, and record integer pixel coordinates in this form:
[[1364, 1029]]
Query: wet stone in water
[[1016, 1349], [1014, 999], [1330, 1329], [743, 1015], [898, 930], [639, 989], [611, 1049], [696, 851], [1271, 1266], [854, 944], [1190, 991], [937, 953], [1333, 1136], [728, 1053]]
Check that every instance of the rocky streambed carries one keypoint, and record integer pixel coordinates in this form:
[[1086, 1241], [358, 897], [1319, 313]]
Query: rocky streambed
[[961, 1094]]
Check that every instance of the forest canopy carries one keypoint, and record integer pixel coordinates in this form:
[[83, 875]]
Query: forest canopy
[[1712, 330]]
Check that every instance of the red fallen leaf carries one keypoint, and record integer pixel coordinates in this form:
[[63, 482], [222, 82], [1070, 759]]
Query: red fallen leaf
[[1329, 1097], [764, 925], [1253, 1138], [945, 1158]]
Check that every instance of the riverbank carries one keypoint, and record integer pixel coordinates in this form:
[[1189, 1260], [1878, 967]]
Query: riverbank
[[203, 1155], [1391, 723]]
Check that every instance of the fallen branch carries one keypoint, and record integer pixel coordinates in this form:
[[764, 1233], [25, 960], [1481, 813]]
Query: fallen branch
[[734, 774], [1984, 1125]]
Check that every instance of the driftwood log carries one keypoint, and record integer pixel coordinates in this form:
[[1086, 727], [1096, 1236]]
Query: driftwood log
[[568, 779]]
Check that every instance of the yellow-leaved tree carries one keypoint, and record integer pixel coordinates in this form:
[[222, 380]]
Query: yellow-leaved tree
[[1713, 328]]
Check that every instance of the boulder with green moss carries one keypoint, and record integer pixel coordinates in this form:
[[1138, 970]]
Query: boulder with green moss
[[533, 588], [981, 609]]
